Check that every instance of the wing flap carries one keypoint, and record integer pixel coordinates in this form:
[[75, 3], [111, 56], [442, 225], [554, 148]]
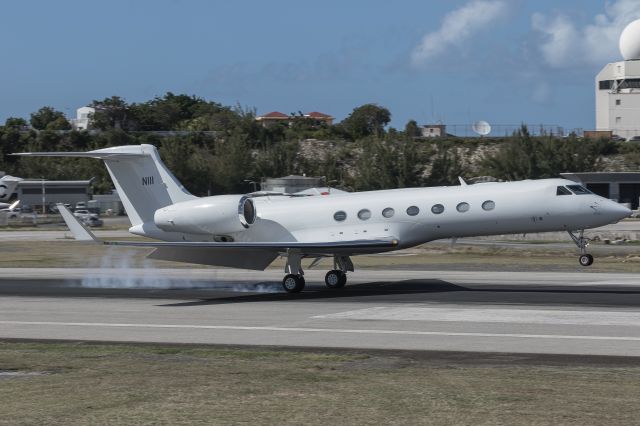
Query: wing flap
[[279, 246], [233, 258]]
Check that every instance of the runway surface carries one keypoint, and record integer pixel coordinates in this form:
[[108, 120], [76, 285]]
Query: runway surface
[[515, 312]]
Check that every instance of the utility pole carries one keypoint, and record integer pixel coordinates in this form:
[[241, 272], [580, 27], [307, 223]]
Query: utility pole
[[44, 199]]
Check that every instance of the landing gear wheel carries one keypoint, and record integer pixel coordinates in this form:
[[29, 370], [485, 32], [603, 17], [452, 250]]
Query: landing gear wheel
[[585, 259], [335, 279], [293, 283]]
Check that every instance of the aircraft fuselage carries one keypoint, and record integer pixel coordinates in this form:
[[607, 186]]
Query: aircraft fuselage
[[420, 215]]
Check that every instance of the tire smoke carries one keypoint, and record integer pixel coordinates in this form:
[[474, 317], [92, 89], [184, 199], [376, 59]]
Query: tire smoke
[[118, 270]]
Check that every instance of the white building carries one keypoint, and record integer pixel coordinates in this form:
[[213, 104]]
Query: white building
[[433, 130], [81, 122], [617, 88]]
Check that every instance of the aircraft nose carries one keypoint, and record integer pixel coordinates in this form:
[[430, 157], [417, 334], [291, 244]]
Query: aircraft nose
[[617, 211]]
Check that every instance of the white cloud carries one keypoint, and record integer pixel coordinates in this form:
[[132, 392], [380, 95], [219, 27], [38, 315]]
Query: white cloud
[[458, 26], [563, 44]]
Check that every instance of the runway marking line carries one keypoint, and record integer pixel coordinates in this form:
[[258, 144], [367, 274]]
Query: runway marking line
[[319, 330]]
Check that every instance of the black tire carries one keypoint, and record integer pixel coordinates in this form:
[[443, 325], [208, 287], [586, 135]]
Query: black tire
[[585, 260], [293, 283], [335, 279]]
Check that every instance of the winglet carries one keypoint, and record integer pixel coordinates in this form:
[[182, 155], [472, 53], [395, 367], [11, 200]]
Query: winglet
[[80, 232]]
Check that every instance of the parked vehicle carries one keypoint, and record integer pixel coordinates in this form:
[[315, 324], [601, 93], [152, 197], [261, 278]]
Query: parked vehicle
[[93, 221], [12, 213], [88, 218]]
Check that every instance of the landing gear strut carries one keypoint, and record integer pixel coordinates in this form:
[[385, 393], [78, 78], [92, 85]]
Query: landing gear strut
[[585, 258]]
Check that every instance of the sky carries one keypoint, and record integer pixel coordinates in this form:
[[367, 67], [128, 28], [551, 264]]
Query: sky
[[455, 62]]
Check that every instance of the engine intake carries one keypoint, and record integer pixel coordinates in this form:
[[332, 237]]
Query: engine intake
[[220, 214]]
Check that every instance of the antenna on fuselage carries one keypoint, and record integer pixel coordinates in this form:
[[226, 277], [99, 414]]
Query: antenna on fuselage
[[462, 182]]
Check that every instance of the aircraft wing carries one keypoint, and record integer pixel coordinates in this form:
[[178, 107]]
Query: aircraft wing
[[248, 255], [314, 247]]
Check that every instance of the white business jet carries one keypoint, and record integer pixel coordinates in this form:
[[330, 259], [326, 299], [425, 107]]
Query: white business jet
[[251, 231]]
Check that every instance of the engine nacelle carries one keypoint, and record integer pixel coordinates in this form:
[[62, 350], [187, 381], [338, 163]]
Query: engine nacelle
[[220, 214]]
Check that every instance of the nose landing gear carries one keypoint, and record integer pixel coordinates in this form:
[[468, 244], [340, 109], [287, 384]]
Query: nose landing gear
[[585, 258]]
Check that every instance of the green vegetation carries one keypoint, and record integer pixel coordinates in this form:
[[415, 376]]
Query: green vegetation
[[80, 383], [214, 148]]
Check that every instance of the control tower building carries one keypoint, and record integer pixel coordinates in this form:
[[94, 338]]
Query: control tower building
[[618, 88]]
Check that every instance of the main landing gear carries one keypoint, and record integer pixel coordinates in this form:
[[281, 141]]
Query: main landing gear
[[294, 281], [585, 258], [335, 278]]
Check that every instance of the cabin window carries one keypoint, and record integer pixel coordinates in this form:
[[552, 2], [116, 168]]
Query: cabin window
[[463, 207], [488, 205], [364, 214], [413, 210], [388, 212], [437, 209], [562, 191], [339, 216], [579, 190]]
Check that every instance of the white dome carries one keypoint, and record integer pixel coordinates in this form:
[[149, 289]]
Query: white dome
[[630, 41]]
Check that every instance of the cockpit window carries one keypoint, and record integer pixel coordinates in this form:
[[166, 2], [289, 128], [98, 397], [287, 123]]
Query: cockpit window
[[579, 190], [562, 191]]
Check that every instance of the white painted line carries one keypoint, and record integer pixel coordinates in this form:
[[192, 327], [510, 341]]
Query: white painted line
[[491, 315], [319, 330]]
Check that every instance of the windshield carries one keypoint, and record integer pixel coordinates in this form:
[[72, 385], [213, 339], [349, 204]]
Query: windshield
[[579, 190]]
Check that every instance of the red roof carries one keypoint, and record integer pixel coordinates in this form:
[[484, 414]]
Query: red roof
[[316, 114], [275, 114]]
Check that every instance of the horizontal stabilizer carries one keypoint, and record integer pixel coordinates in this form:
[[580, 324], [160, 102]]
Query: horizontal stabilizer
[[87, 154], [78, 229]]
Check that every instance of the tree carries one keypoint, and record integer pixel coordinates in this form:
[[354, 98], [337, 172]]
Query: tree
[[366, 120], [524, 157], [15, 122], [411, 129], [174, 112], [50, 119], [111, 113], [447, 166]]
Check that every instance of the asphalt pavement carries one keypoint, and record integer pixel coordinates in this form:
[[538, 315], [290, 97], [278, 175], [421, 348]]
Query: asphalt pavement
[[475, 311]]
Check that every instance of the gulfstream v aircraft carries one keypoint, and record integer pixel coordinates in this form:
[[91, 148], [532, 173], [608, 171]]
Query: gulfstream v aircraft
[[250, 231]]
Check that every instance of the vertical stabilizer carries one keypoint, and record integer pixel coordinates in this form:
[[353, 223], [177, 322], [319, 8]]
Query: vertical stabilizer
[[143, 182]]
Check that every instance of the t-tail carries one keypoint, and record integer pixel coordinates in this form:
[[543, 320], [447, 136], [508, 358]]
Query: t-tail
[[143, 182]]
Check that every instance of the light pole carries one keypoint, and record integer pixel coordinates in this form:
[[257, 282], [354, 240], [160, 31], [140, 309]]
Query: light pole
[[44, 199]]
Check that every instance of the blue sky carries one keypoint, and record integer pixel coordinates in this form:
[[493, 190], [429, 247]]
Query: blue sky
[[504, 61]]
